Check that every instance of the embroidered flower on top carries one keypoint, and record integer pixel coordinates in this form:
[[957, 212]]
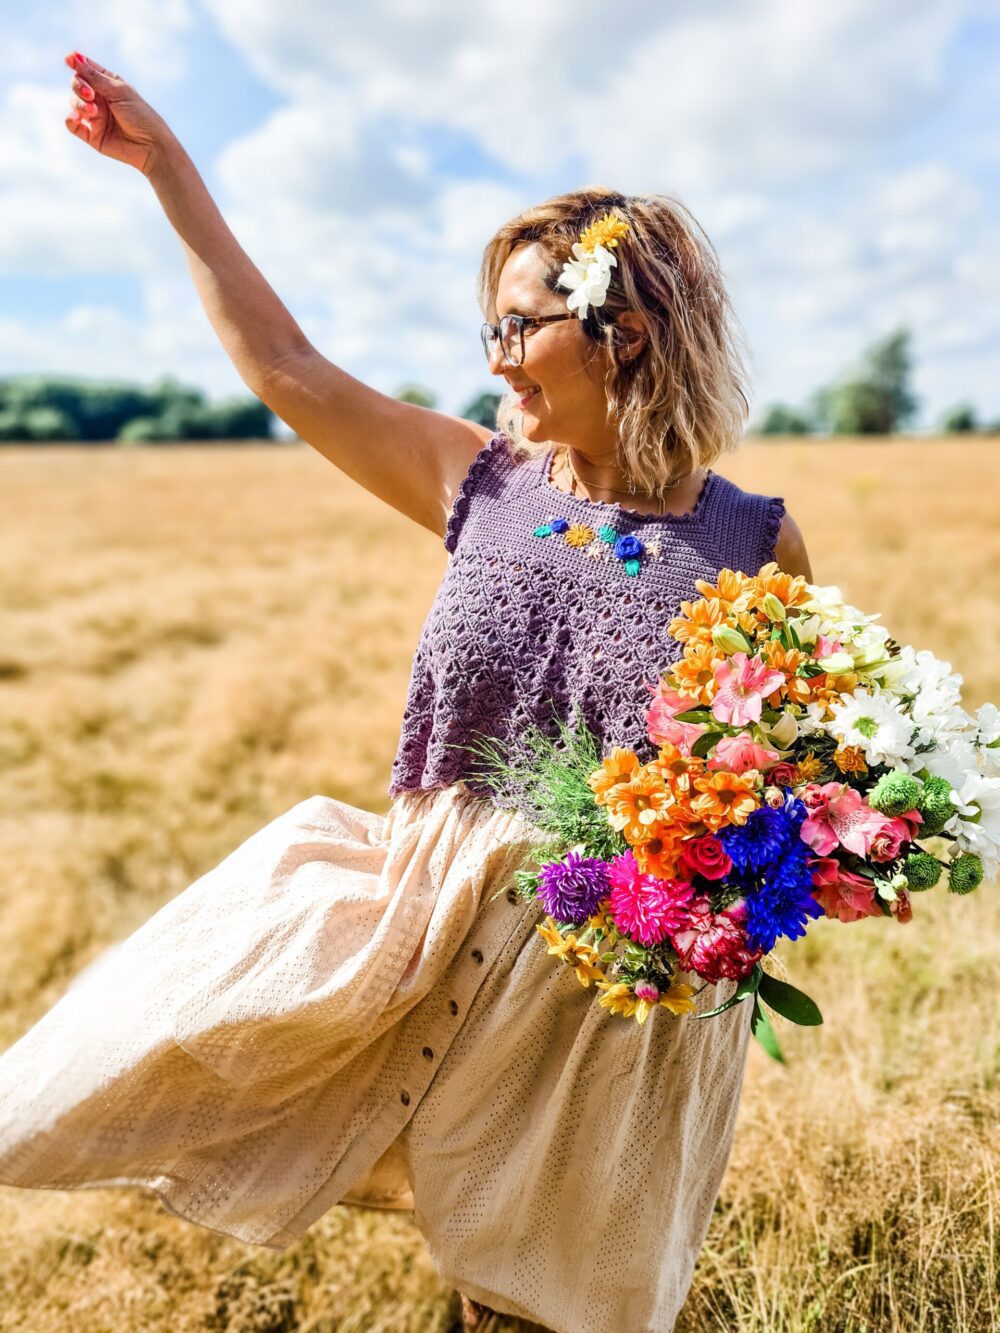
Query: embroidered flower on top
[[588, 273], [608, 544]]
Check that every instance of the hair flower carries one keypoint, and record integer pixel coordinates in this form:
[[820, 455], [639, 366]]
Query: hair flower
[[588, 274]]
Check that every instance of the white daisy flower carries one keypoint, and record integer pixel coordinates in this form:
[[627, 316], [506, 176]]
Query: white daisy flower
[[875, 724]]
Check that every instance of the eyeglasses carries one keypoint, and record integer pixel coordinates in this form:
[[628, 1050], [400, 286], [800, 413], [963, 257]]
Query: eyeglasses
[[511, 334]]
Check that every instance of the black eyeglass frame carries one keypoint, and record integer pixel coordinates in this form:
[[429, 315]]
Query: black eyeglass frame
[[495, 331]]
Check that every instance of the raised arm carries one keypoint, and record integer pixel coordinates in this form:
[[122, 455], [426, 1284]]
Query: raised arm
[[411, 457]]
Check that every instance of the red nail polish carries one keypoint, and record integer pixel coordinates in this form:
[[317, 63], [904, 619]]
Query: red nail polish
[[80, 59]]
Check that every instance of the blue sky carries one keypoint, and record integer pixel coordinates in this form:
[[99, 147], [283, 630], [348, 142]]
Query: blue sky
[[845, 162]]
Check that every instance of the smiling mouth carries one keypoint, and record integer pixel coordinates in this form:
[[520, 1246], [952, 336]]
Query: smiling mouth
[[524, 397]]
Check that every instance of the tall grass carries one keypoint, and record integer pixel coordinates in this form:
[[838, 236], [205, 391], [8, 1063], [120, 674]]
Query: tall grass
[[192, 640]]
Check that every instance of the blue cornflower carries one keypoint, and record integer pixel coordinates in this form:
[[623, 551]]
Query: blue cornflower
[[572, 889], [783, 901], [762, 839]]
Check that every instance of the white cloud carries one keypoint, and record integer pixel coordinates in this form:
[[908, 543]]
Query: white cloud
[[780, 125]]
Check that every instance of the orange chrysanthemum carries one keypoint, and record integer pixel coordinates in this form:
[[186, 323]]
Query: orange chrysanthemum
[[809, 768], [677, 767], [659, 855], [694, 624], [694, 673], [790, 589], [617, 768], [724, 798], [787, 660], [850, 759], [732, 586], [634, 805]]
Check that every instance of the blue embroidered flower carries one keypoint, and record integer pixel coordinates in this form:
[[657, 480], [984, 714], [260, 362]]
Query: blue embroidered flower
[[628, 547], [558, 524]]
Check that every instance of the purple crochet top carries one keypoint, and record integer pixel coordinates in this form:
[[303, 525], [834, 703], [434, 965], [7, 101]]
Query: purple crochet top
[[525, 627]]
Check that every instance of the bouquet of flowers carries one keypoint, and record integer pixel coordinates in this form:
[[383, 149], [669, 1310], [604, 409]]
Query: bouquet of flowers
[[808, 765]]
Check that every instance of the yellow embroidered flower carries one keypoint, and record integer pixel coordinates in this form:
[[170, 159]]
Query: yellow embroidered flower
[[578, 534]]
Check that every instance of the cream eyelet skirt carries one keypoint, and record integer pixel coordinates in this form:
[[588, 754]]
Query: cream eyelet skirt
[[356, 1008]]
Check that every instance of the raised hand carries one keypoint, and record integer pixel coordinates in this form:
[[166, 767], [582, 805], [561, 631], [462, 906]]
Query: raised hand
[[110, 115]]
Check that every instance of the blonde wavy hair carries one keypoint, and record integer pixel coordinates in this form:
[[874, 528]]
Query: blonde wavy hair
[[681, 402]]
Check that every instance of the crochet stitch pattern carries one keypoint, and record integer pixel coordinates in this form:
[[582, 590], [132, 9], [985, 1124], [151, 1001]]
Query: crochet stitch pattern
[[523, 631]]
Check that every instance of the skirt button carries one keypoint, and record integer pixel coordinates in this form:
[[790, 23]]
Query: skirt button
[[404, 1097], [477, 954], [428, 1053], [453, 1006], [512, 895]]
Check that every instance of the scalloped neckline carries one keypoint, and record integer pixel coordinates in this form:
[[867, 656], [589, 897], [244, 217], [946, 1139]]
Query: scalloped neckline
[[634, 514]]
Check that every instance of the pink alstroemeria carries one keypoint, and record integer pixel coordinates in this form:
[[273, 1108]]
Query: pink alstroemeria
[[743, 684], [826, 646], [839, 816], [735, 754], [662, 726], [842, 894]]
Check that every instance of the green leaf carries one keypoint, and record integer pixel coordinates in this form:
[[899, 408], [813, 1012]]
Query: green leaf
[[703, 745], [693, 715], [746, 986], [764, 1033], [789, 1002]]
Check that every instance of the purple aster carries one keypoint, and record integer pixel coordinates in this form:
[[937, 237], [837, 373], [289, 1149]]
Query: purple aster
[[572, 889]]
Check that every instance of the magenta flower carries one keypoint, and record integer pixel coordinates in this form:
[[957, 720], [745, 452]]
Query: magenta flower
[[642, 906], [839, 816], [742, 685]]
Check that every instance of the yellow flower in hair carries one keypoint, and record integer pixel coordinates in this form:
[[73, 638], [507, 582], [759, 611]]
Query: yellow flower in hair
[[588, 273], [605, 231]]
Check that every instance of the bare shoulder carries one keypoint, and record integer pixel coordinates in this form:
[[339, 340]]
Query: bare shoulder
[[790, 549]]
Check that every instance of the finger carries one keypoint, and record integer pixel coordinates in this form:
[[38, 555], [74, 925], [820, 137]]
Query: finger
[[83, 89]]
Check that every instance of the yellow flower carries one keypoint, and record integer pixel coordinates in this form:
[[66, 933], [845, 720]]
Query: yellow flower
[[581, 957], [578, 534], [605, 231], [618, 998], [809, 768], [678, 998], [615, 769], [850, 759]]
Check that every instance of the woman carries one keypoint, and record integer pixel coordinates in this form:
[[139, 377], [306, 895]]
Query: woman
[[349, 1008]]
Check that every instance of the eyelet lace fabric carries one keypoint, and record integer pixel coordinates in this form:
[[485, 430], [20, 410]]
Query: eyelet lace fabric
[[356, 1008], [523, 630]]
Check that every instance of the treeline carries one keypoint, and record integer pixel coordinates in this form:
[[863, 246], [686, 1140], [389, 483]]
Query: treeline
[[41, 409], [874, 398]]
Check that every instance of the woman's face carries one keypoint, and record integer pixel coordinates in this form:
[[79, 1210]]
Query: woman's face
[[570, 405]]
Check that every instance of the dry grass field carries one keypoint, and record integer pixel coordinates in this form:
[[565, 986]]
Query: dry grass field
[[194, 639]]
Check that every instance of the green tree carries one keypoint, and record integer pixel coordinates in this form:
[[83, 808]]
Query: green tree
[[960, 418], [483, 409], [782, 420], [416, 393], [876, 398]]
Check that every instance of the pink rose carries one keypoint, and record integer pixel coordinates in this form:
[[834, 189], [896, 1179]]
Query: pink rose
[[704, 856], [890, 839], [783, 774]]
